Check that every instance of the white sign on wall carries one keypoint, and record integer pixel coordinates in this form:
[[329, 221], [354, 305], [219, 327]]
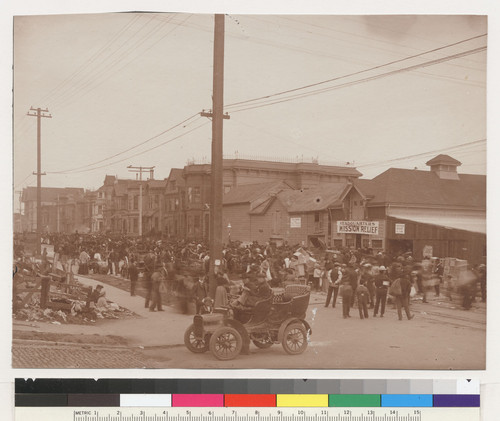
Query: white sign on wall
[[400, 228], [295, 222], [357, 227]]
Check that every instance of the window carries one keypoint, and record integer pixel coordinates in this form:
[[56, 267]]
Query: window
[[227, 188], [196, 195], [172, 185], [197, 224], [136, 224], [156, 223], [377, 244], [316, 216], [136, 202], [350, 242], [366, 243], [337, 243]]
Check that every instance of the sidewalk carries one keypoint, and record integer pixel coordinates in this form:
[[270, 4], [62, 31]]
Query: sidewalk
[[165, 328]]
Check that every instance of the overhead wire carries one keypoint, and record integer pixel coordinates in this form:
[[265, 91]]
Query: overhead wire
[[311, 85], [142, 52], [90, 60], [136, 154], [407, 157], [132, 147], [131, 44], [330, 29], [343, 85]]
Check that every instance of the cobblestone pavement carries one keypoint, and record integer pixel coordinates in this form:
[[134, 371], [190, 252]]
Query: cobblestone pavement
[[38, 354]]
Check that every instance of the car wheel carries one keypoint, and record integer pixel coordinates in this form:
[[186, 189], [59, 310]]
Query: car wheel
[[195, 345], [295, 339], [226, 343]]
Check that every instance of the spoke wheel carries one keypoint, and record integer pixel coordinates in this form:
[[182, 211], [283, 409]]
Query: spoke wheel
[[295, 339], [195, 345], [225, 343]]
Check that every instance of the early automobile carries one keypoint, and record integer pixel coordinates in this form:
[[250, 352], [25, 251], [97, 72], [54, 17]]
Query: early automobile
[[227, 332]]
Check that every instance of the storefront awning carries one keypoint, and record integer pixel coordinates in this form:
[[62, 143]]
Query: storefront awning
[[466, 223]]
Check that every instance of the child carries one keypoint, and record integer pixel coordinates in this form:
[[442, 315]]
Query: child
[[363, 296]]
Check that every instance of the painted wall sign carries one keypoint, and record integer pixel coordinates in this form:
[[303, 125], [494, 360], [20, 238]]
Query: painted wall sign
[[357, 227]]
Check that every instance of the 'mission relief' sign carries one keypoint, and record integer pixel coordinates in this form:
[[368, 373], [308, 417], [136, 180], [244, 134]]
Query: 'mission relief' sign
[[357, 227]]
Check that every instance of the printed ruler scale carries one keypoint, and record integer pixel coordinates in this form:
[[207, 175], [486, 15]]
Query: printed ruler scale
[[246, 414], [246, 400]]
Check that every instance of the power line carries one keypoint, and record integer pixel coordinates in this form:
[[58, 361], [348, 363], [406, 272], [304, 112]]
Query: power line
[[356, 82], [354, 73], [118, 60], [403, 158], [129, 149], [137, 154], [22, 182], [91, 60], [331, 29], [63, 84], [110, 61]]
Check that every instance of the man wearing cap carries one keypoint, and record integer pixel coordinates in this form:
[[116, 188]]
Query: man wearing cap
[[382, 283], [96, 293], [334, 277], [367, 280], [346, 290], [255, 292]]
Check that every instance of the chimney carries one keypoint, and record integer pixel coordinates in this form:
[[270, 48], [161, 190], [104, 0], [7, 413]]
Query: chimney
[[445, 167]]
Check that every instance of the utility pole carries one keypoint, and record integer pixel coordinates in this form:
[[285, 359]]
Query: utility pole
[[39, 113], [218, 116], [140, 170]]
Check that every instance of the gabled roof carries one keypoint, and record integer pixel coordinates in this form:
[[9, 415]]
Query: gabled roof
[[415, 187], [443, 159], [314, 199], [50, 194], [176, 174], [248, 193]]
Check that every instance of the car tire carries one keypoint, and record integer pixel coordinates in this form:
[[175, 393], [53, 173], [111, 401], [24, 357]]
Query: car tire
[[226, 343], [195, 345], [294, 339]]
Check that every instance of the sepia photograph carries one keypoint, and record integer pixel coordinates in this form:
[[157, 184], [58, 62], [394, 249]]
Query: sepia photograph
[[219, 191]]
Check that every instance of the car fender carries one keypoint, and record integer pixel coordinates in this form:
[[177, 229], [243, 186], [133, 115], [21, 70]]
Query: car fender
[[245, 349], [290, 321]]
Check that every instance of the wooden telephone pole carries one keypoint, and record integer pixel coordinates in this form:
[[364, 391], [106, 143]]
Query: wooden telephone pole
[[39, 113], [218, 116], [140, 170]]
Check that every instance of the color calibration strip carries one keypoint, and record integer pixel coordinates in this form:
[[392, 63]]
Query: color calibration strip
[[247, 400], [274, 393]]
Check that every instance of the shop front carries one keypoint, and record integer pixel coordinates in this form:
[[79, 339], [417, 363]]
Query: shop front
[[358, 234]]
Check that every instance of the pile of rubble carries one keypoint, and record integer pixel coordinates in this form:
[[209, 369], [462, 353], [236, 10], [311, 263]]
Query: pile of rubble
[[63, 308], [77, 315]]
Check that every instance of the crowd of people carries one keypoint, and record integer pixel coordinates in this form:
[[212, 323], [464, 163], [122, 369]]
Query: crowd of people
[[361, 277]]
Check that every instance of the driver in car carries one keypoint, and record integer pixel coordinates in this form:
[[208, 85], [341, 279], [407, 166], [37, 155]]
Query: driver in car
[[253, 292]]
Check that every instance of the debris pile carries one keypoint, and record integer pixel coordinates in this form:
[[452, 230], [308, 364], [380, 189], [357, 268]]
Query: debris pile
[[66, 306]]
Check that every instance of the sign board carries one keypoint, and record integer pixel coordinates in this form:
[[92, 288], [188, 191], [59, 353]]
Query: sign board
[[400, 228], [427, 251], [295, 222], [357, 227]]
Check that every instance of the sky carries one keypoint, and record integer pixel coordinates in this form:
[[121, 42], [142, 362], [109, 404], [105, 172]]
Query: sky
[[127, 89]]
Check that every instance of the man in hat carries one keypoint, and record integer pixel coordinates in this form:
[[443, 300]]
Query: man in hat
[[96, 293], [334, 277], [253, 293], [382, 283]]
